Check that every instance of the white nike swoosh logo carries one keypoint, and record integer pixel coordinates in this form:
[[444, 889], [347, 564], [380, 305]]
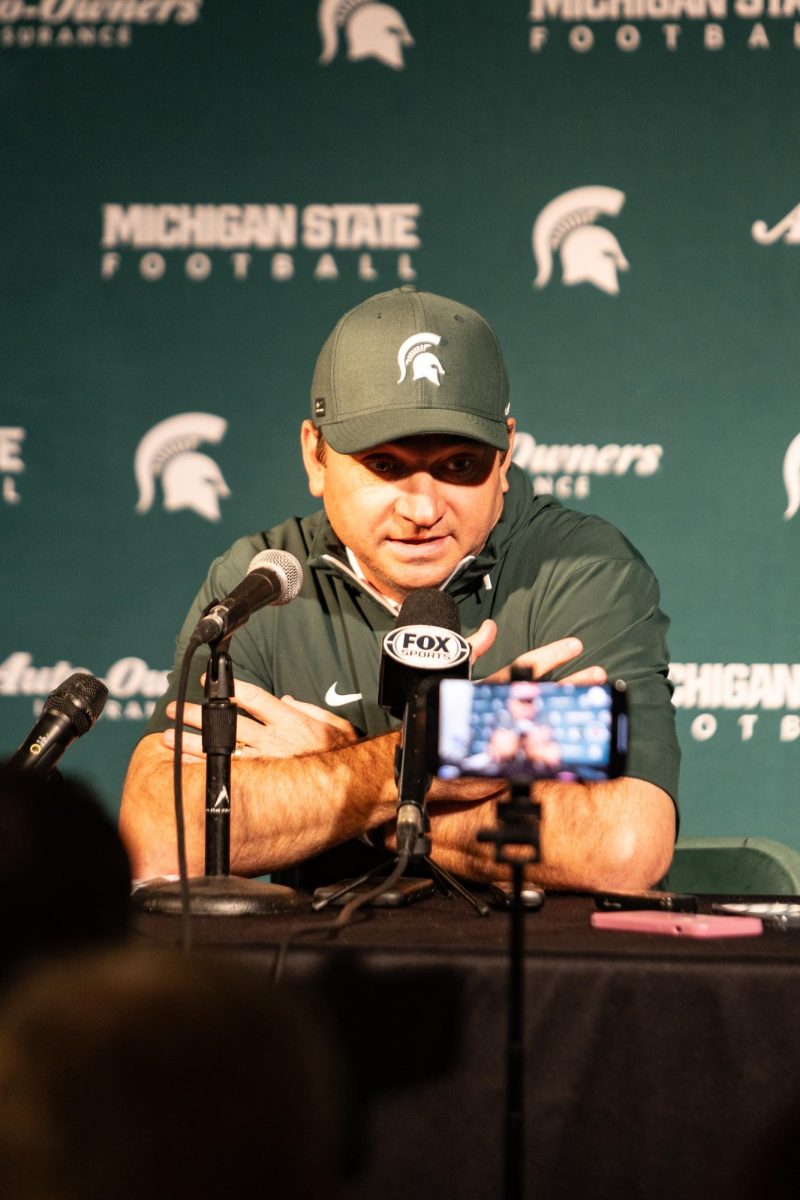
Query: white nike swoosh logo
[[335, 700]]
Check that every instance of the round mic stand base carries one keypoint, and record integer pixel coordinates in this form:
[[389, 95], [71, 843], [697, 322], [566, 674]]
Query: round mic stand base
[[215, 896]]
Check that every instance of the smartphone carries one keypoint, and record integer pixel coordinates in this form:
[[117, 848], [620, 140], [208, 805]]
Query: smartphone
[[651, 899], [403, 891], [692, 925], [527, 730], [501, 895]]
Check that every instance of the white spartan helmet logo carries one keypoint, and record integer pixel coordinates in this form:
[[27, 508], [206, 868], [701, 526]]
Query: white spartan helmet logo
[[189, 480], [372, 30], [791, 477], [588, 254], [417, 352]]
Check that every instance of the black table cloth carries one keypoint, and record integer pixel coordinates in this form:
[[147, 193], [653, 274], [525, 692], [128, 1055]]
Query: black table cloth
[[654, 1066]]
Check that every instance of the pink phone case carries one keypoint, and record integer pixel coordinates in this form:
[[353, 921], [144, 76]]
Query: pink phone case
[[675, 924]]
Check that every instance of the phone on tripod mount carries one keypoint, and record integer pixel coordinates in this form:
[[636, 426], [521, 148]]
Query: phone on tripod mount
[[527, 730]]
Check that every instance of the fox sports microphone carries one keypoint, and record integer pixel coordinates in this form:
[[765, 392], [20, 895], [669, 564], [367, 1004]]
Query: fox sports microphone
[[273, 577], [67, 713], [425, 645]]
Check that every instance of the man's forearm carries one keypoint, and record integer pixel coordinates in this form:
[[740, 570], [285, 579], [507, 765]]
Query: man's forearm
[[284, 810], [618, 834]]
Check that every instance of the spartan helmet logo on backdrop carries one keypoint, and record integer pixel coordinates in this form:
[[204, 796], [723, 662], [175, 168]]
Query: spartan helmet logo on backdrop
[[588, 254], [791, 477], [188, 479], [417, 352], [372, 30]]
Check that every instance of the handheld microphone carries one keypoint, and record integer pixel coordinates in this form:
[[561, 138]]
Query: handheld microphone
[[67, 713], [425, 645], [273, 577]]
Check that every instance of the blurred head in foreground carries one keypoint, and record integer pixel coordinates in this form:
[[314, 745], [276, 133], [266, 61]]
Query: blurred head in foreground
[[142, 1072], [64, 873]]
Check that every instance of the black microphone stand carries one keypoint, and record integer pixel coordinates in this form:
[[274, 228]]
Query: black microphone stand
[[217, 893], [413, 825], [518, 821]]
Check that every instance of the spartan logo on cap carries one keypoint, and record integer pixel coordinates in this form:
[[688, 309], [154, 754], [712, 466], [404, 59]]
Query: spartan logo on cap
[[589, 254], [416, 352], [372, 30], [787, 230], [189, 480], [791, 477]]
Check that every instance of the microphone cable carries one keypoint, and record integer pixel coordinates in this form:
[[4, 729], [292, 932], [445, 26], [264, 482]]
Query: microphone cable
[[177, 788], [330, 929]]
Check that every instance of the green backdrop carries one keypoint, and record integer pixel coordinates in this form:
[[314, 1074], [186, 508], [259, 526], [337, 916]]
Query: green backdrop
[[191, 198]]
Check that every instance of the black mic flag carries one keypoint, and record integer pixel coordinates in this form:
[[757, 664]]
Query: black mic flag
[[426, 642]]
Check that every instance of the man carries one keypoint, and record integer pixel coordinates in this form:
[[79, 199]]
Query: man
[[409, 449]]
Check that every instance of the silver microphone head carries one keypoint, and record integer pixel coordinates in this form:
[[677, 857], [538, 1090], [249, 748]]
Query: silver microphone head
[[283, 564]]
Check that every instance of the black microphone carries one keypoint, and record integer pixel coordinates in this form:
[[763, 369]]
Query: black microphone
[[425, 645], [273, 577], [67, 713], [426, 642]]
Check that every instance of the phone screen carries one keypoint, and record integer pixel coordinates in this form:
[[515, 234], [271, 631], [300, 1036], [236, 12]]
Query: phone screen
[[529, 730]]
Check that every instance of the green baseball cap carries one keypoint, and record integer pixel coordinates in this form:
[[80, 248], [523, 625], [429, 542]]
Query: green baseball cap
[[406, 362]]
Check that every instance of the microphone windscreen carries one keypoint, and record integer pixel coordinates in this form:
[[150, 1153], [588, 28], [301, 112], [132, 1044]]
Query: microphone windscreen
[[81, 697], [429, 606], [401, 669], [286, 565]]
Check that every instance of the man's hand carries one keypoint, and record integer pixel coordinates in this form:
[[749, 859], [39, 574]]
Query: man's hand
[[613, 834], [287, 727], [471, 789], [541, 661], [283, 727]]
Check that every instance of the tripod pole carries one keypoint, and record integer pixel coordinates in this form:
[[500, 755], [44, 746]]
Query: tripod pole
[[515, 1071], [516, 842]]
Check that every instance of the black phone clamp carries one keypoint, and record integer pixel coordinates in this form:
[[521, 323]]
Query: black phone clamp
[[518, 817], [518, 826]]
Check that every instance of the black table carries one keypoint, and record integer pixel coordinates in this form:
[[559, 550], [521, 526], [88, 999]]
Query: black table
[[655, 1066]]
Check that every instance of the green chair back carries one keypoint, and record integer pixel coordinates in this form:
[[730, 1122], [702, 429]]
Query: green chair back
[[729, 866]]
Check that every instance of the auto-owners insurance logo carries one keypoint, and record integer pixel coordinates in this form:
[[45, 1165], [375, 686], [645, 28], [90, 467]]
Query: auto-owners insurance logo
[[102, 24], [427, 647]]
